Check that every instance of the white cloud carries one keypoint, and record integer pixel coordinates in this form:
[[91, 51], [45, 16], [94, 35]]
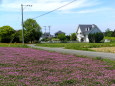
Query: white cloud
[[94, 10], [47, 5]]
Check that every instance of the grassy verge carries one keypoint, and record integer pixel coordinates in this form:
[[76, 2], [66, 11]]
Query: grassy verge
[[108, 62], [78, 46], [13, 45], [112, 39]]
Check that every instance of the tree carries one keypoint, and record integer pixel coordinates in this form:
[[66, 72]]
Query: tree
[[73, 37], [6, 34], [91, 38], [32, 31], [98, 37], [61, 37], [113, 34], [17, 37], [68, 37], [108, 32], [95, 37]]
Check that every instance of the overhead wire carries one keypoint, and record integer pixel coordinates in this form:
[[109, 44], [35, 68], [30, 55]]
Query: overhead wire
[[54, 9]]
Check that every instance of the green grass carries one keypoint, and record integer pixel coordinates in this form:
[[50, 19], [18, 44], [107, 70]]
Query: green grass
[[64, 83], [112, 39], [77, 46], [13, 45], [108, 62]]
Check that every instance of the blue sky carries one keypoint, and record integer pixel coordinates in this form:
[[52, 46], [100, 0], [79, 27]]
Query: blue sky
[[99, 12]]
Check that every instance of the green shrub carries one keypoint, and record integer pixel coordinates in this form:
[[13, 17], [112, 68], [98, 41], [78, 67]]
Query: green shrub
[[61, 37], [95, 37]]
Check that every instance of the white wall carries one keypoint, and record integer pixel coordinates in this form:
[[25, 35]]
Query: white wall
[[79, 35], [87, 40]]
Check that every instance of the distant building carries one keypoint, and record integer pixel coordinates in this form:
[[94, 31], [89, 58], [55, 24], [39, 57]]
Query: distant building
[[84, 30], [46, 35], [59, 32]]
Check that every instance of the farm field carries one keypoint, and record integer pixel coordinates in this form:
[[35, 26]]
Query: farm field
[[78, 46], [105, 49], [31, 67]]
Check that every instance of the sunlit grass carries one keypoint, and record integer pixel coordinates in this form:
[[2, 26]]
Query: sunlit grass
[[13, 45], [78, 46]]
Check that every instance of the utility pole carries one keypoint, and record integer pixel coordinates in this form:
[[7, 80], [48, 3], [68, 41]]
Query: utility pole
[[23, 21], [45, 31], [22, 25], [45, 28], [49, 30]]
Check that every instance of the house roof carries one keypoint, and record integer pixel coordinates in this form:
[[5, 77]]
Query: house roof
[[59, 32], [84, 27]]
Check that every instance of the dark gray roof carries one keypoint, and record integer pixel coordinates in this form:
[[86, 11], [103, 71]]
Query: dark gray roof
[[84, 27], [59, 32]]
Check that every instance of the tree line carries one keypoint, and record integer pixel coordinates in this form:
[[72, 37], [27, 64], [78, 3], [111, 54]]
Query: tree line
[[109, 33], [61, 37], [32, 33]]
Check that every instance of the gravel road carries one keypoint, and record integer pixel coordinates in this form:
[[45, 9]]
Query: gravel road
[[78, 52]]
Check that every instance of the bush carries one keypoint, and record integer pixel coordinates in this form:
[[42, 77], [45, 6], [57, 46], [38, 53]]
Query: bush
[[95, 37], [68, 38], [73, 37], [61, 37]]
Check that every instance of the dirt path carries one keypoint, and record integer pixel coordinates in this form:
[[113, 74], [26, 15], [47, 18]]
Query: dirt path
[[78, 52]]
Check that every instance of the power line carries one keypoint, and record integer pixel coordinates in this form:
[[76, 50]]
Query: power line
[[55, 9]]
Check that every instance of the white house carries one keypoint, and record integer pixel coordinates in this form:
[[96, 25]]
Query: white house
[[84, 30]]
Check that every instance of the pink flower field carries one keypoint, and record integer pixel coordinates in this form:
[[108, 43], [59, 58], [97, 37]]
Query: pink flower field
[[31, 67]]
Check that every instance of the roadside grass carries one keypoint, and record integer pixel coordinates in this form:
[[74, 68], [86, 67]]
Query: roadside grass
[[77, 46], [108, 62], [13, 45]]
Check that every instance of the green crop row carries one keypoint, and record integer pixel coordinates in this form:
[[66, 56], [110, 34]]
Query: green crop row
[[77, 46]]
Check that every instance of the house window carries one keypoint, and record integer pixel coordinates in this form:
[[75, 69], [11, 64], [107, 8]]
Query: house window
[[88, 29]]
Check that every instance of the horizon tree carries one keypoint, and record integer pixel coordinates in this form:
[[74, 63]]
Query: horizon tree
[[32, 31], [6, 34], [73, 37]]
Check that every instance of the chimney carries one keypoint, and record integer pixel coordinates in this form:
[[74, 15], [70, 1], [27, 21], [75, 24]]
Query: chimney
[[93, 25]]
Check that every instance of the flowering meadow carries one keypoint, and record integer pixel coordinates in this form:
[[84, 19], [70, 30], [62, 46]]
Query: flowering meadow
[[31, 67]]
